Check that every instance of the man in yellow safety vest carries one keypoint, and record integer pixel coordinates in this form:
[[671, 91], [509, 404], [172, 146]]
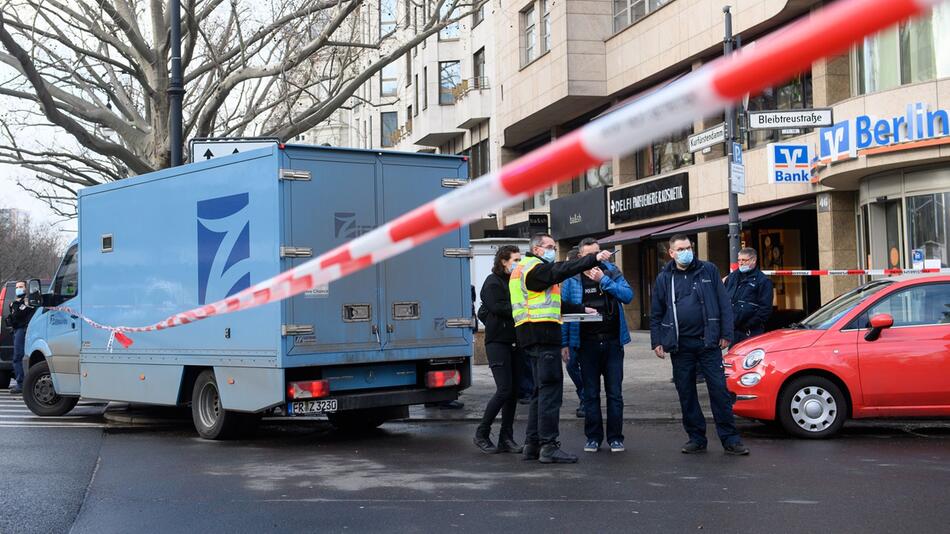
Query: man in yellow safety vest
[[536, 308]]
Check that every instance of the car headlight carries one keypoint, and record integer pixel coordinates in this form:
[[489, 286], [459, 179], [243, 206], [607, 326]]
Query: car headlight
[[753, 358], [750, 379]]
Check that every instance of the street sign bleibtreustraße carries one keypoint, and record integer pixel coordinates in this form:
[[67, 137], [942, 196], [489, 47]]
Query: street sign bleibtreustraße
[[795, 118]]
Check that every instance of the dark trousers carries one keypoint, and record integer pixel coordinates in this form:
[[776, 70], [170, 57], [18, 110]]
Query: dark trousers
[[574, 371], [742, 334], [526, 382], [693, 357], [19, 340], [602, 358], [544, 411], [505, 361]]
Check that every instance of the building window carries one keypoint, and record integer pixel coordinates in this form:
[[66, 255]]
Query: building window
[[627, 12], [528, 35], [479, 15], [545, 27], [794, 94], [450, 76], [388, 80], [408, 69], [387, 17], [450, 32], [409, 115], [389, 122], [478, 160], [425, 87], [928, 219], [478, 69], [415, 94], [664, 155], [914, 51]]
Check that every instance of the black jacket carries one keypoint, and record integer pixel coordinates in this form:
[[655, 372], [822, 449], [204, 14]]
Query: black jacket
[[19, 314], [751, 297], [495, 310], [542, 277], [717, 313]]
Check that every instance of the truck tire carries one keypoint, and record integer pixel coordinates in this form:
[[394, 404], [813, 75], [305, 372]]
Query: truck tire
[[812, 407], [210, 419], [40, 396], [5, 377], [358, 421]]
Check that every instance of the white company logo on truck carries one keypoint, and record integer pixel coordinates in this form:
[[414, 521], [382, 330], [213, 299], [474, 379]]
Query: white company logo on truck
[[224, 247]]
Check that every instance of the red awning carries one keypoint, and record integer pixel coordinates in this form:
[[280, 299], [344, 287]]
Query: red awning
[[637, 234], [718, 221]]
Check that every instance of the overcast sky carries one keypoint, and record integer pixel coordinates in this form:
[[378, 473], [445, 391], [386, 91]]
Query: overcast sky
[[12, 196]]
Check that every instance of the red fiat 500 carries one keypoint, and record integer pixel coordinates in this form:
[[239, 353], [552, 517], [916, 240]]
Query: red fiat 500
[[881, 350]]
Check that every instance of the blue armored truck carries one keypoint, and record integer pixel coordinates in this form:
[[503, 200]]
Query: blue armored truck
[[360, 350]]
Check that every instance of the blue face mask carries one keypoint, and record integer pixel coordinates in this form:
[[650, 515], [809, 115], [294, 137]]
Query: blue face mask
[[20, 292], [549, 256], [684, 257], [745, 268]]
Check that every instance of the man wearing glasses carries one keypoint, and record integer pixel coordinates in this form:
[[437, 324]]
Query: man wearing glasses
[[750, 293], [691, 319], [536, 309]]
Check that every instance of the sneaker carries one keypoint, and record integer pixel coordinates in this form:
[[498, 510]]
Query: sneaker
[[524, 400], [506, 444], [592, 446], [579, 412], [552, 454], [616, 446], [531, 451], [16, 390], [700, 379], [485, 445], [736, 449], [692, 447]]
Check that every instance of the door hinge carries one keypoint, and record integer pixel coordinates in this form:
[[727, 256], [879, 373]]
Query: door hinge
[[291, 174], [457, 252], [460, 322], [296, 252], [296, 330], [453, 183]]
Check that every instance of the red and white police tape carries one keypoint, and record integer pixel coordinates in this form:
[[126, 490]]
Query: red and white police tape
[[854, 272], [704, 92]]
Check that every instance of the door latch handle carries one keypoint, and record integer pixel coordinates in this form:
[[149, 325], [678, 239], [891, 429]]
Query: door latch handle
[[376, 333], [390, 329]]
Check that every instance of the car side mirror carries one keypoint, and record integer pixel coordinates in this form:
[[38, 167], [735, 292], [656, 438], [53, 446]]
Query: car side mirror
[[878, 323], [34, 293]]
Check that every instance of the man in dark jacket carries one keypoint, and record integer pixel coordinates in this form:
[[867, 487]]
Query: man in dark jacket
[[691, 319], [536, 309], [750, 292], [18, 318]]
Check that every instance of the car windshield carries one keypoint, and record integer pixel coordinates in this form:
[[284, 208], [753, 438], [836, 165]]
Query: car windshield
[[829, 314]]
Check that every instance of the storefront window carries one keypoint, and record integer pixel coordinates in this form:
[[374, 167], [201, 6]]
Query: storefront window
[[927, 222], [664, 155], [795, 94], [915, 51]]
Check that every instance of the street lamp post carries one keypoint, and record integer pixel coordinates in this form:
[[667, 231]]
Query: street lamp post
[[734, 223], [176, 88]]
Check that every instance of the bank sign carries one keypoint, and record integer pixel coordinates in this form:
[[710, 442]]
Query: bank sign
[[867, 134], [790, 163]]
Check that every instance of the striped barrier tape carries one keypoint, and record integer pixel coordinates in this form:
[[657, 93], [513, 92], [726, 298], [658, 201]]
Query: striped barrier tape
[[855, 272], [704, 92]]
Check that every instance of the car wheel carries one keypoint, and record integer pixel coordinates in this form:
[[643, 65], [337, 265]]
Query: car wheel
[[812, 407], [40, 396], [211, 420]]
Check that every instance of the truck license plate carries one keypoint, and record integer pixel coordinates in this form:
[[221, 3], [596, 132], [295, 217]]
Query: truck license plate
[[311, 407]]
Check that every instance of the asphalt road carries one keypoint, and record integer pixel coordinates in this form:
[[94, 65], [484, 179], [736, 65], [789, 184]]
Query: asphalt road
[[427, 477]]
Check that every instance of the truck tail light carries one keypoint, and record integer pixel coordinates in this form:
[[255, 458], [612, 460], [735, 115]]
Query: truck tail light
[[443, 379], [310, 389]]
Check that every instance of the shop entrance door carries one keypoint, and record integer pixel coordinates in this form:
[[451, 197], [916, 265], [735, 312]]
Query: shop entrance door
[[886, 220]]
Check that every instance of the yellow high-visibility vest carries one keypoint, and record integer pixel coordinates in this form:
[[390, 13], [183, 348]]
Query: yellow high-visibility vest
[[533, 306]]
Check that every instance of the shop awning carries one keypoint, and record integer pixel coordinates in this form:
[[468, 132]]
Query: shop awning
[[637, 234], [722, 221]]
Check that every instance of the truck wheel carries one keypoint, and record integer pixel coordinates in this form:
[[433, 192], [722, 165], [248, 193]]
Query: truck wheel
[[40, 396], [812, 407], [5, 377], [358, 421], [211, 420]]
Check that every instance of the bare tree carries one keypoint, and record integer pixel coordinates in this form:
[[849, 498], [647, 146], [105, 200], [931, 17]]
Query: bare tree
[[28, 250], [97, 70]]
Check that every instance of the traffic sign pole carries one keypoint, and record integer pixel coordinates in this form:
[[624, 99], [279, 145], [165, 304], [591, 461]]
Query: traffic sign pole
[[734, 224]]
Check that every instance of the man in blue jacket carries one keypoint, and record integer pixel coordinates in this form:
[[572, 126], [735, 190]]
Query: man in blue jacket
[[750, 292], [599, 345], [691, 319]]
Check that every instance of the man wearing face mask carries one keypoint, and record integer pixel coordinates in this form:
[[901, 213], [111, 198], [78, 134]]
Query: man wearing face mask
[[536, 309], [750, 292], [18, 318], [691, 319]]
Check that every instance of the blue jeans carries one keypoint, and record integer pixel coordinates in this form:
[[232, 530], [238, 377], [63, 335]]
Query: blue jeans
[[574, 371], [19, 340], [602, 358], [693, 357], [544, 411]]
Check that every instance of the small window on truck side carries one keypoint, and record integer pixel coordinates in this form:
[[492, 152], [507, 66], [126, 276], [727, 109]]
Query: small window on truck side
[[66, 283]]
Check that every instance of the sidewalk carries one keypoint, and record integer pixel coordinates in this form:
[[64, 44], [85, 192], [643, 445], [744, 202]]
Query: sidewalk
[[648, 393]]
